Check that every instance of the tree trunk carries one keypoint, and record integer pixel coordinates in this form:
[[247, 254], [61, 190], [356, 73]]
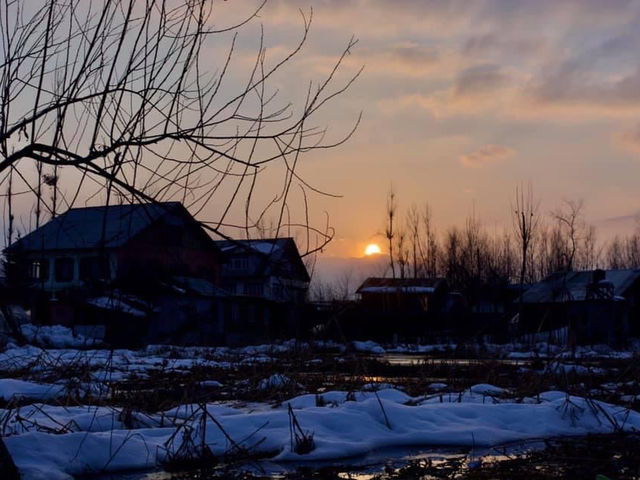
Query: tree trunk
[[8, 469]]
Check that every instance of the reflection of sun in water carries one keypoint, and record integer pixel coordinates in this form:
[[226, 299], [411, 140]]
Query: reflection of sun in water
[[372, 249]]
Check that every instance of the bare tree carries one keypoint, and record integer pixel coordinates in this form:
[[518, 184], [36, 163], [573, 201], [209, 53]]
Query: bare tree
[[623, 252], [451, 252], [525, 224], [431, 250], [571, 225], [402, 253], [413, 227], [389, 231], [126, 95], [590, 252]]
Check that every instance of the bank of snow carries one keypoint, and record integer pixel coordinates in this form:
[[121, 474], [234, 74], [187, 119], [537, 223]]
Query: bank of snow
[[347, 424], [56, 336]]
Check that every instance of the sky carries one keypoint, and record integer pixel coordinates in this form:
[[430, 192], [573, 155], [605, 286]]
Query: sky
[[462, 101]]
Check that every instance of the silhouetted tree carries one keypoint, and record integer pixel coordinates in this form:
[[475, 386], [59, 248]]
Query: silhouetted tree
[[570, 225], [126, 96], [525, 221], [389, 231]]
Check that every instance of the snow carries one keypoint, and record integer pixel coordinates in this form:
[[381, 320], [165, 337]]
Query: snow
[[211, 384], [435, 386], [53, 442], [486, 389], [11, 388], [54, 336], [346, 425], [392, 289], [368, 346], [265, 247], [118, 305], [275, 382]]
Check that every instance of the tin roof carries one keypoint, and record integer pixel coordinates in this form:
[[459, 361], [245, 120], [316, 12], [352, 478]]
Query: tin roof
[[564, 286], [403, 285], [82, 228]]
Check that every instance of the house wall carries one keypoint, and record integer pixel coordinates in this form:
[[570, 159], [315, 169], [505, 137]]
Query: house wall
[[588, 322], [166, 249], [396, 302], [272, 288], [47, 265], [239, 277]]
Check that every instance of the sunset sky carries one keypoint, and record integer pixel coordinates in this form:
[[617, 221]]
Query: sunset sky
[[462, 101]]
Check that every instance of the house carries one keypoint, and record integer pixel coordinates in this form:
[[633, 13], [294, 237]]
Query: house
[[407, 308], [266, 283], [492, 305], [108, 265], [271, 269], [583, 307], [108, 243], [408, 295]]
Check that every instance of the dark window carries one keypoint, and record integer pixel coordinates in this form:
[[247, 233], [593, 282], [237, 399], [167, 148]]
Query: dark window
[[240, 263], [64, 269], [40, 269], [253, 289], [229, 287], [94, 268]]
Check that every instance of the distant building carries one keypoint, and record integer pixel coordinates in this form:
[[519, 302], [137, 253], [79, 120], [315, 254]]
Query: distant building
[[266, 283], [271, 269], [409, 308], [584, 307], [101, 244], [491, 307], [408, 295]]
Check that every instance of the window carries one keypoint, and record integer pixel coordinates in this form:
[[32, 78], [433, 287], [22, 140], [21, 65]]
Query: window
[[253, 289], [40, 269], [64, 269], [240, 263], [94, 268], [229, 287]]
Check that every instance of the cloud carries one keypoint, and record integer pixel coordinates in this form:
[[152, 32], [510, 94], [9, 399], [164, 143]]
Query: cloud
[[572, 85], [495, 44], [629, 140], [606, 73], [486, 156], [480, 79], [402, 59]]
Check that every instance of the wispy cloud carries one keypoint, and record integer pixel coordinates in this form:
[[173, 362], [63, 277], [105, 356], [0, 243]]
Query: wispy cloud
[[629, 140], [480, 79], [487, 155]]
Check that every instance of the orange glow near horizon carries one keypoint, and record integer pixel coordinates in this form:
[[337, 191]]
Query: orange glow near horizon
[[372, 249]]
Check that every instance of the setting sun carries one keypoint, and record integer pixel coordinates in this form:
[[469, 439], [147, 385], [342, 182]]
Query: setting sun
[[372, 249]]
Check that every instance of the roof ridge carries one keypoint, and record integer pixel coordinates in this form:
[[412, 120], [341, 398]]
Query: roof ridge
[[121, 205]]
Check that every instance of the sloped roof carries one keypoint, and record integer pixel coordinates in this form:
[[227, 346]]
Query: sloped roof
[[564, 286], [400, 285], [280, 256], [82, 228]]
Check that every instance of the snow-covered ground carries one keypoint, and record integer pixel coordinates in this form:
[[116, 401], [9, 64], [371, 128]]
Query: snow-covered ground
[[56, 442], [48, 439]]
